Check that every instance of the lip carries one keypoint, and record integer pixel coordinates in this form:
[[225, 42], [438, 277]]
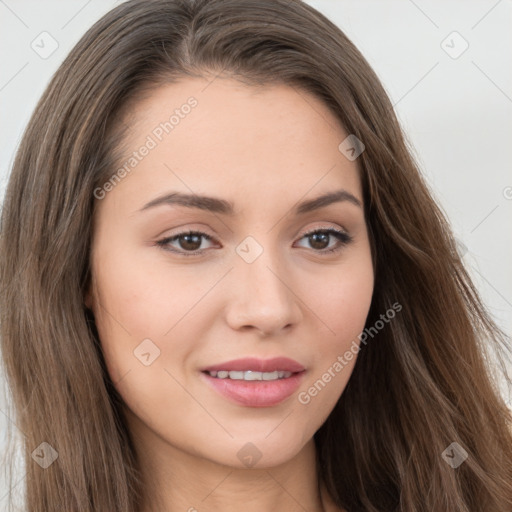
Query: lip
[[255, 393], [258, 365]]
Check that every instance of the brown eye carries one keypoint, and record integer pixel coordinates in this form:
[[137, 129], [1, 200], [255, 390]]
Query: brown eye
[[320, 239], [189, 242]]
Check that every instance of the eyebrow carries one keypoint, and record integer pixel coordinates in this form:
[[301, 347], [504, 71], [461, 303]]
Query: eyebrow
[[216, 205]]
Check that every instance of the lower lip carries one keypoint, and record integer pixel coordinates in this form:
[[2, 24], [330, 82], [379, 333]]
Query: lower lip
[[256, 393]]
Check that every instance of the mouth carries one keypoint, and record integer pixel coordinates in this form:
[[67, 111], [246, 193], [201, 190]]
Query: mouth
[[255, 382]]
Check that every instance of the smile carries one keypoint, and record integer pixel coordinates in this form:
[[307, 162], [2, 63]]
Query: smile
[[249, 375]]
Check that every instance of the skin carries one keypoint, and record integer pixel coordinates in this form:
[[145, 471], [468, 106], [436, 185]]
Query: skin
[[264, 149]]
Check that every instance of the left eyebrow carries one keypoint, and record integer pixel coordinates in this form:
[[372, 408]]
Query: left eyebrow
[[216, 205], [327, 199]]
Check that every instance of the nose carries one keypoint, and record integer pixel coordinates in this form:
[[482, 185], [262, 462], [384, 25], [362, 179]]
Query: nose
[[263, 297]]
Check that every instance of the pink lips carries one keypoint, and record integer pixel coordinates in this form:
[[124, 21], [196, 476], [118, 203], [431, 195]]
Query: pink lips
[[257, 393]]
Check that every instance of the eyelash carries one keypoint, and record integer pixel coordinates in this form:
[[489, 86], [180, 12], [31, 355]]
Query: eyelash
[[344, 239]]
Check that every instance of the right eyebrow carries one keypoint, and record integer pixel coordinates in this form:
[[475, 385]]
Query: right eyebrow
[[211, 204]]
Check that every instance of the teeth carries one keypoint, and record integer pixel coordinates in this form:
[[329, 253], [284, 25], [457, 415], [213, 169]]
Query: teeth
[[249, 375]]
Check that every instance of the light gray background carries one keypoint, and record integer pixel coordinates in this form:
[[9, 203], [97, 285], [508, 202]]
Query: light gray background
[[456, 112]]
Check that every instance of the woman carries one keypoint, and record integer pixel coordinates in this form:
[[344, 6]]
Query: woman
[[225, 284]]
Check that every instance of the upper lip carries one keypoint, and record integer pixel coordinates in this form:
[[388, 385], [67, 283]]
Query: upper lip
[[258, 365]]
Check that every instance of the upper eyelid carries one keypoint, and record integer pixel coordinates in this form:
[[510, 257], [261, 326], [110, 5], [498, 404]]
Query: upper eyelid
[[212, 237], [306, 233]]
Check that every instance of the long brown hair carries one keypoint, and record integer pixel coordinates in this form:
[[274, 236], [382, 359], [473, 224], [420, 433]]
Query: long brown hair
[[426, 381]]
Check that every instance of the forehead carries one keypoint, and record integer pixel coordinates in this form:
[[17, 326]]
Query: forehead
[[236, 140]]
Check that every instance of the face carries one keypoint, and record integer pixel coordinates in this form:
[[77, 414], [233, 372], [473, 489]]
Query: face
[[248, 268]]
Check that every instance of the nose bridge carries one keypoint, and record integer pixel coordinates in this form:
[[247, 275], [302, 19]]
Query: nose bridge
[[263, 297]]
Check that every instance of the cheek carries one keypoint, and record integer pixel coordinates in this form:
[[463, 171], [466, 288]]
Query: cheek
[[129, 308], [136, 307], [340, 298], [145, 298], [341, 304]]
